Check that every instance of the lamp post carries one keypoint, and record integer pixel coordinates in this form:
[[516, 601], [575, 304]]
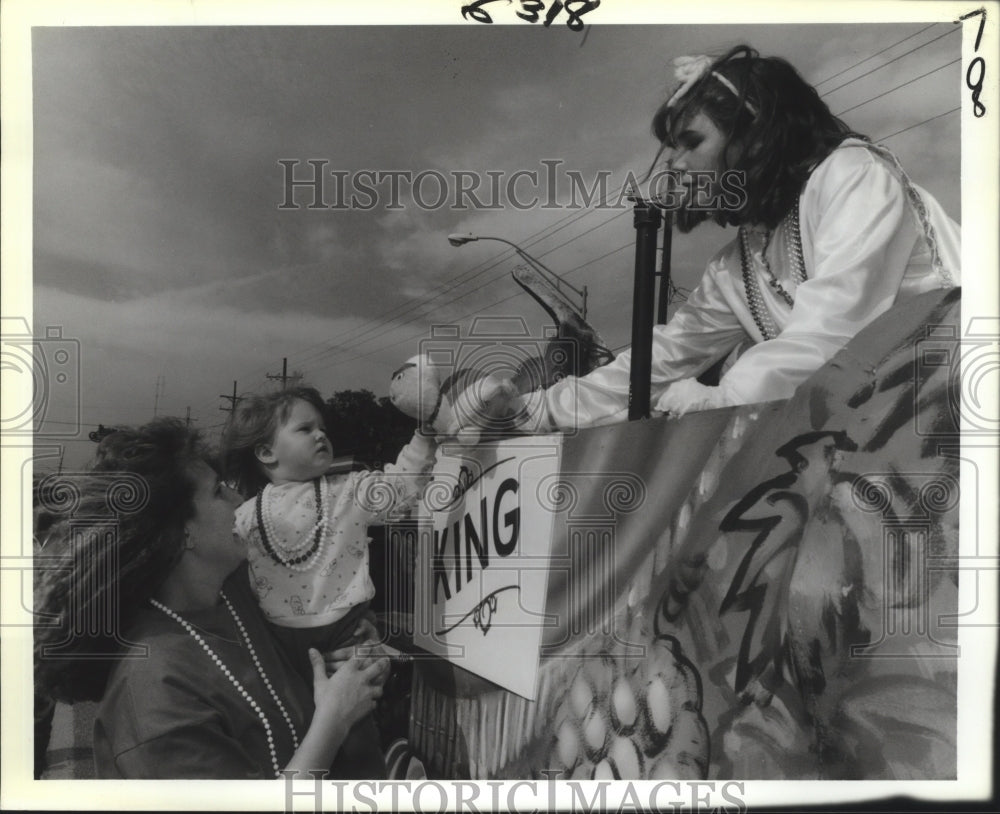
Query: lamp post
[[547, 273]]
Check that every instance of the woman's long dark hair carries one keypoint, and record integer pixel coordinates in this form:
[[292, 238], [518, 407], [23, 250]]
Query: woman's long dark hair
[[777, 147], [120, 533]]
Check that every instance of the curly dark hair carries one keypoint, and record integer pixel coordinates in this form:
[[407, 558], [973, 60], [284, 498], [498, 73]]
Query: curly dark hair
[[255, 420], [777, 147], [99, 566]]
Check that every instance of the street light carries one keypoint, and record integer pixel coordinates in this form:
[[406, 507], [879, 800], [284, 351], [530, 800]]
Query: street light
[[547, 273]]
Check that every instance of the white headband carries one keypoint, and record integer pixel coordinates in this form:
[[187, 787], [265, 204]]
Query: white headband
[[688, 70]]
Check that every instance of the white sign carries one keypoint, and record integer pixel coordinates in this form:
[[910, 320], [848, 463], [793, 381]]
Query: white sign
[[483, 565]]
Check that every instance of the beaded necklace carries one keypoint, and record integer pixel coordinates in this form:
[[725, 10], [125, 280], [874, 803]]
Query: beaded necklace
[[755, 300], [234, 680], [290, 555]]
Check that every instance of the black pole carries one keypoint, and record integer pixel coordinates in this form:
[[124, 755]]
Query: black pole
[[646, 220], [232, 400], [663, 300]]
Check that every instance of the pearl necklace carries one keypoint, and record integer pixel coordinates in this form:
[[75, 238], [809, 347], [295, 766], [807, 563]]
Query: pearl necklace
[[755, 300], [289, 554], [234, 680]]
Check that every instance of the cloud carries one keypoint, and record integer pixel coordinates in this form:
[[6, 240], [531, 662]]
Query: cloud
[[158, 238], [201, 348]]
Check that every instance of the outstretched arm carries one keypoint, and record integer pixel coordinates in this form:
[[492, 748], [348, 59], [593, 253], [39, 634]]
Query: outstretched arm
[[380, 493], [860, 231], [703, 330]]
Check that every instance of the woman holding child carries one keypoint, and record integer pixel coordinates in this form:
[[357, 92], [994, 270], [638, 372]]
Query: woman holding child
[[193, 681]]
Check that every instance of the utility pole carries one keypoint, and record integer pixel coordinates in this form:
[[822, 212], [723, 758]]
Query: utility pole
[[160, 382], [233, 400], [187, 418], [284, 374]]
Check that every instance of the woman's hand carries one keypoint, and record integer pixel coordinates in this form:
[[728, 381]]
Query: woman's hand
[[365, 635], [340, 700], [688, 395], [351, 692]]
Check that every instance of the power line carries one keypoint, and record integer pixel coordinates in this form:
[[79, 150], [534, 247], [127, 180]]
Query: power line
[[506, 299], [602, 257], [902, 85], [471, 313], [413, 318], [381, 324], [886, 64], [498, 302], [454, 284], [590, 232], [566, 221], [530, 241], [468, 276], [867, 73], [570, 219], [877, 53], [498, 279], [402, 308], [918, 124], [498, 260]]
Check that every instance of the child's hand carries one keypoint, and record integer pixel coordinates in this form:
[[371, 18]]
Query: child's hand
[[365, 652], [351, 692], [365, 635]]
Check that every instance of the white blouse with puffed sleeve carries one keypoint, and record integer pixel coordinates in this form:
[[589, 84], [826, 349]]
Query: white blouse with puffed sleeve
[[869, 239]]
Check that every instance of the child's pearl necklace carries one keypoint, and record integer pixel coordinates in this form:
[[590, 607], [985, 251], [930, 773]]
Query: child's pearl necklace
[[234, 680], [288, 554]]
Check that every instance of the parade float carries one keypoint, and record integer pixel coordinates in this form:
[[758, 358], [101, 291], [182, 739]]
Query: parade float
[[764, 592]]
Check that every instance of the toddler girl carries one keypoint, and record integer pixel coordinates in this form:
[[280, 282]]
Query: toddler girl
[[305, 530]]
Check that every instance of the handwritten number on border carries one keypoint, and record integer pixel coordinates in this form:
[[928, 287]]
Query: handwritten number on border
[[978, 108], [530, 10], [977, 66], [476, 12], [576, 9]]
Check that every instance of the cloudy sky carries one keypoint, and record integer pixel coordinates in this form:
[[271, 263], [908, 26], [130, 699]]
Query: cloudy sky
[[160, 243]]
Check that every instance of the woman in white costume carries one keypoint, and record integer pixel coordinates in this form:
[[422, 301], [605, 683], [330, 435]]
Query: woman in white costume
[[831, 234]]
